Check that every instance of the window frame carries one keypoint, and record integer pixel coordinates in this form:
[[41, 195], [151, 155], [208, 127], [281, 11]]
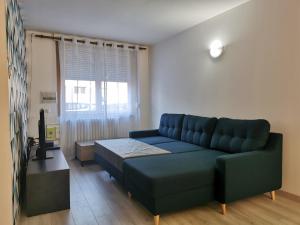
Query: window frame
[[101, 106]]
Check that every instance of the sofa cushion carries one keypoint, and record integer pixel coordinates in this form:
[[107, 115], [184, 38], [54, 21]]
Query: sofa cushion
[[179, 146], [155, 140], [163, 175], [171, 125], [143, 133], [233, 135], [198, 130]]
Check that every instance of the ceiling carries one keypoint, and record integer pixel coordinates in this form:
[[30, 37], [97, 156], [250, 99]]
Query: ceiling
[[137, 21]]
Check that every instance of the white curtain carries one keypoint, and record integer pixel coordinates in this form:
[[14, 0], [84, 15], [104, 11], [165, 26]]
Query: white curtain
[[99, 93]]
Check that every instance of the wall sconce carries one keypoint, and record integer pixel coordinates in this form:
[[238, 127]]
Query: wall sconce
[[216, 49]]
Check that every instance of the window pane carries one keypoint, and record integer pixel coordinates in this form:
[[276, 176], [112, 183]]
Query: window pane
[[80, 95], [115, 95]]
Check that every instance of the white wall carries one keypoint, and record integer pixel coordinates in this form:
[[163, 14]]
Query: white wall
[[42, 78], [144, 89], [257, 77]]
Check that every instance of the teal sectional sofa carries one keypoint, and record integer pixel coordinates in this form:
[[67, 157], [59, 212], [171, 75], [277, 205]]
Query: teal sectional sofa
[[212, 159]]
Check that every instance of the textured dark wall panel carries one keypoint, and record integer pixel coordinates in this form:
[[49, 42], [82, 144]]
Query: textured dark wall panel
[[18, 95]]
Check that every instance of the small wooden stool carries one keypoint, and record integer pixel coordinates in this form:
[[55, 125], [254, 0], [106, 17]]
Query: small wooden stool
[[85, 151]]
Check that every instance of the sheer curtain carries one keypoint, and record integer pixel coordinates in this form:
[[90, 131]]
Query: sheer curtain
[[99, 93]]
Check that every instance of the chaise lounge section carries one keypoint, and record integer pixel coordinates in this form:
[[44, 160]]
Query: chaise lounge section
[[212, 159], [167, 137]]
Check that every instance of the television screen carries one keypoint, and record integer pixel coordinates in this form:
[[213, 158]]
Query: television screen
[[41, 151], [42, 128]]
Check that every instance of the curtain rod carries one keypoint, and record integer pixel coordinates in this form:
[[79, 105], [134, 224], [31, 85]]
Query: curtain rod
[[83, 41]]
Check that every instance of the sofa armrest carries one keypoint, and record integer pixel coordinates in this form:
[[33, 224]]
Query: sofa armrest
[[247, 174], [143, 133]]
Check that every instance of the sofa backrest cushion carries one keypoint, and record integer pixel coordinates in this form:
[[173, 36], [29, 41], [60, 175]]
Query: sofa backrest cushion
[[170, 125], [198, 130], [234, 136]]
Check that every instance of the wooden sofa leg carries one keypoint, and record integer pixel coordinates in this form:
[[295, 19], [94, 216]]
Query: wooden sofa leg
[[156, 220], [273, 196], [223, 207], [129, 195]]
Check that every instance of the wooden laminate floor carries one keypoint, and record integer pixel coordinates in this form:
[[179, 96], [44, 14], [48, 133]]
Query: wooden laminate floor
[[98, 200]]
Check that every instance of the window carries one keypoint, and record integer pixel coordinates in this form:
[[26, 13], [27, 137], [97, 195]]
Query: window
[[80, 95], [115, 96], [80, 90], [98, 83]]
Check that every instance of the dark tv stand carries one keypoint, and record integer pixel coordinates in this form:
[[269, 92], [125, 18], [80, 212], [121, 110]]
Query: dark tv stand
[[49, 155], [54, 147], [47, 151], [47, 185]]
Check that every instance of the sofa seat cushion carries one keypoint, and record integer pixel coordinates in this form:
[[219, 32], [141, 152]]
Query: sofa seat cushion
[[169, 174], [179, 146], [235, 136], [171, 125], [198, 130], [155, 140]]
